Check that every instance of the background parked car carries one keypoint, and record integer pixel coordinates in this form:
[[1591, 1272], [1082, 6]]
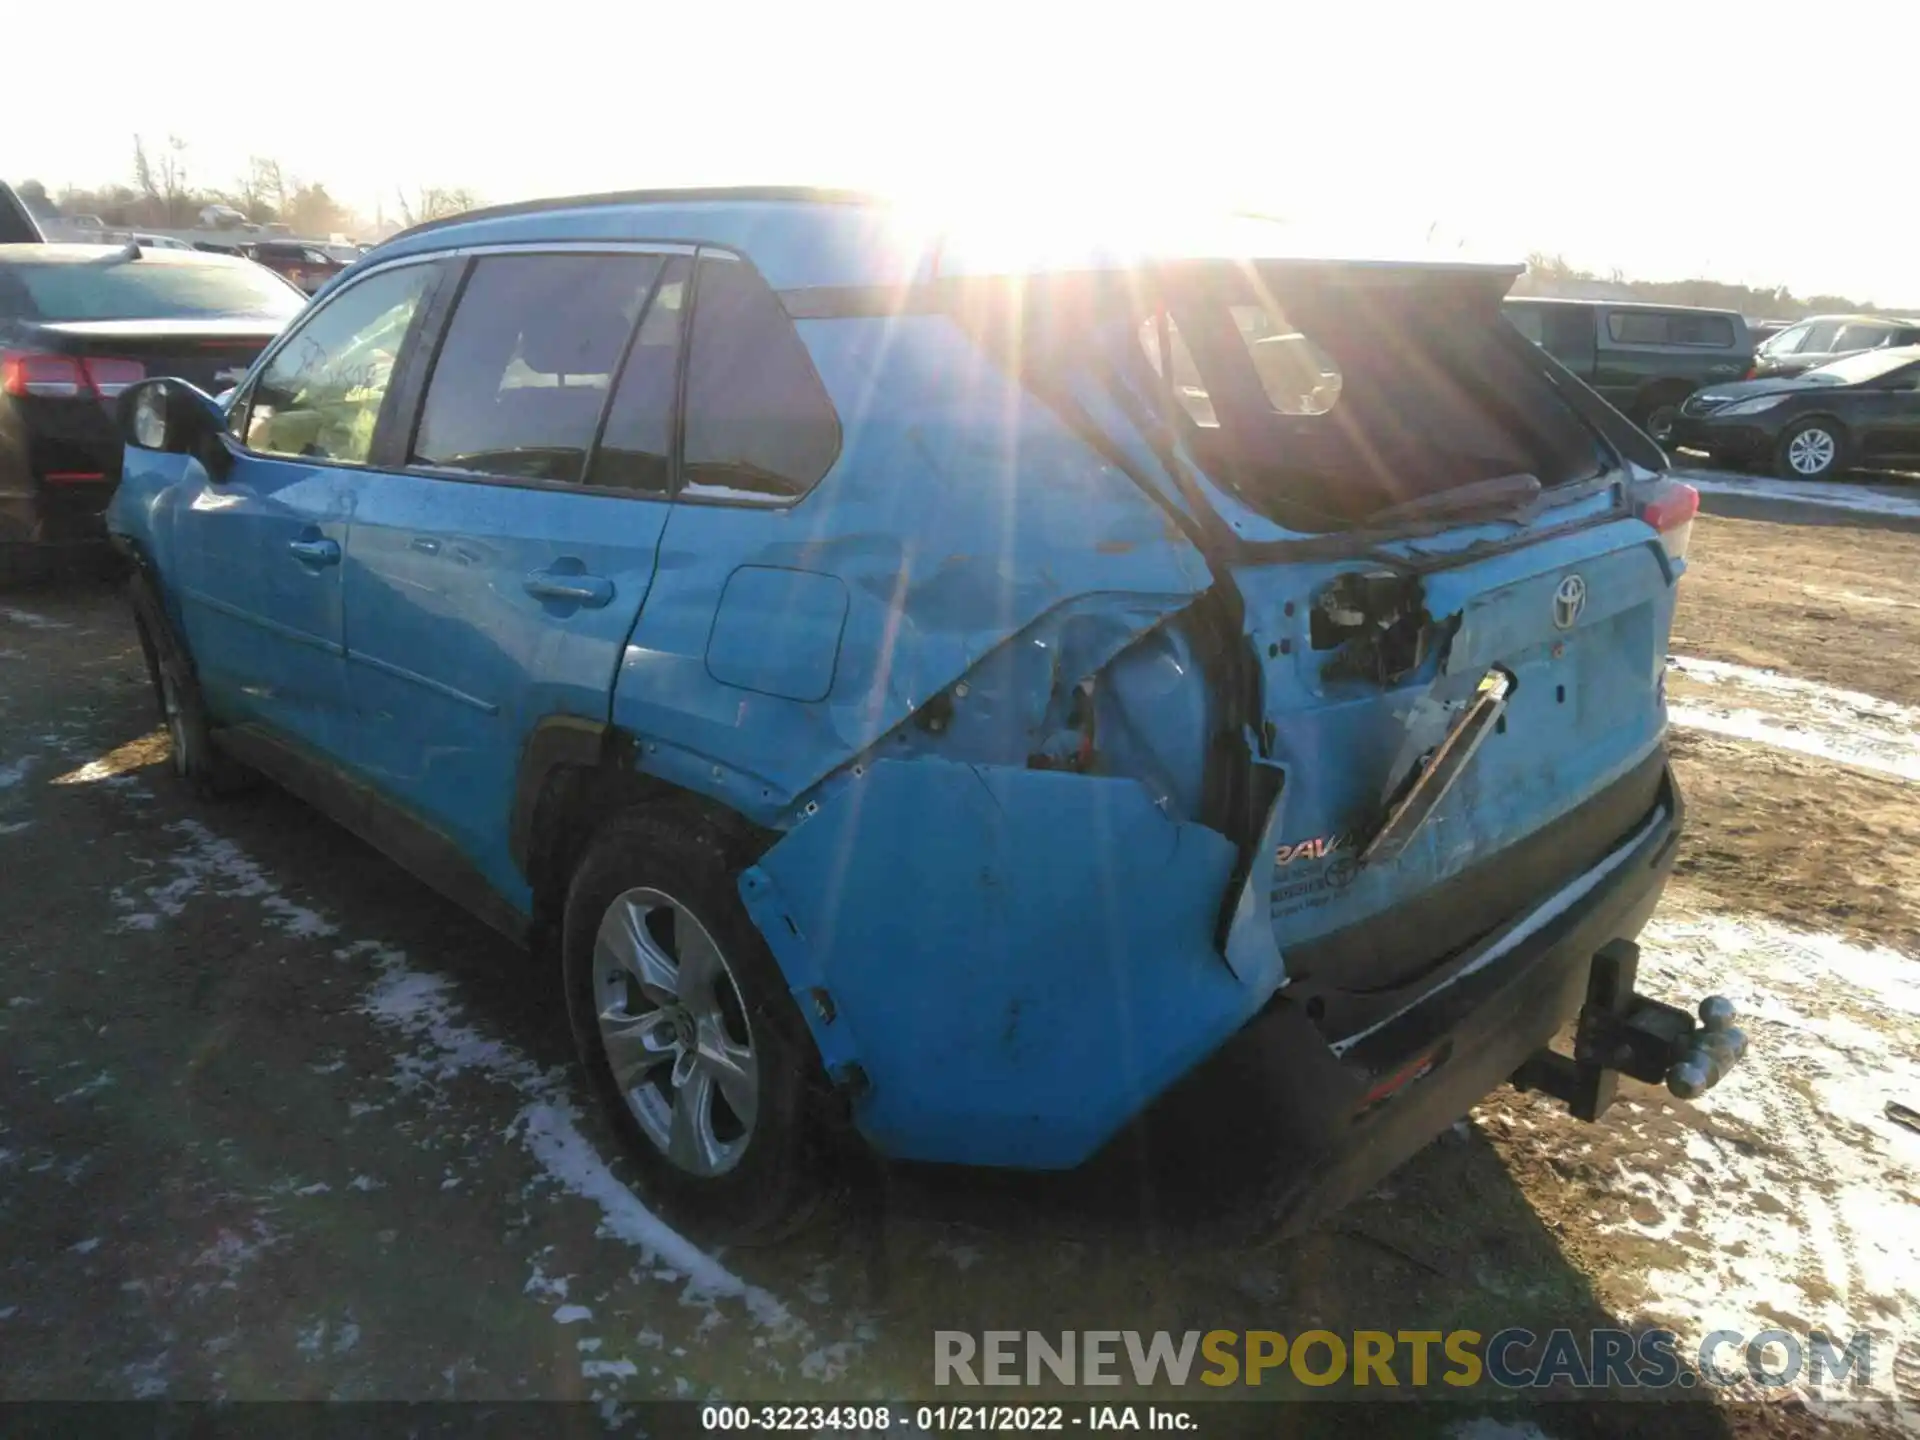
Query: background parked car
[[80, 323], [307, 266], [1864, 409], [1645, 359], [1825, 338]]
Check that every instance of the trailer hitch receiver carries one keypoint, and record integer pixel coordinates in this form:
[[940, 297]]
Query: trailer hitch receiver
[[1621, 1032]]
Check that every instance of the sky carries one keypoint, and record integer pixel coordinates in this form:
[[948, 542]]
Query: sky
[[1760, 143]]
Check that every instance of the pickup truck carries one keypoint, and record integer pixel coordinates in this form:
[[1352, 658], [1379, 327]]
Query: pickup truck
[[1644, 359]]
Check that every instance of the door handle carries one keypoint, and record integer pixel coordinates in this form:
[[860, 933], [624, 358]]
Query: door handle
[[316, 552], [588, 590]]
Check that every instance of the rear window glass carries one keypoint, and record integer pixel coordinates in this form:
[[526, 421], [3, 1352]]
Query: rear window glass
[[1296, 376], [528, 361], [1651, 327], [1715, 331], [114, 289], [1385, 397], [1527, 321]]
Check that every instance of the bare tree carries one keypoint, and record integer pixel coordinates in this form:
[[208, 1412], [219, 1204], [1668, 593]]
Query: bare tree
[[162, 179], [434, 202], [261, 193]]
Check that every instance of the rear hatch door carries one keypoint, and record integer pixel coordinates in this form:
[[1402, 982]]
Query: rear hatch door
[[1417, 505]]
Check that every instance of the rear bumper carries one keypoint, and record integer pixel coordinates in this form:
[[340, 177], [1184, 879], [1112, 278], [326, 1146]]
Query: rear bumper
[[1345, 1114]]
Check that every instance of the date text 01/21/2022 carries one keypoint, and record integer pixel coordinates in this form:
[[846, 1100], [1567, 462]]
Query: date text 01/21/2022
[[942, 1419]]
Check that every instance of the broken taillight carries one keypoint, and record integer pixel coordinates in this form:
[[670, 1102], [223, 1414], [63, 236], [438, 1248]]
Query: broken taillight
[[1669, 508]]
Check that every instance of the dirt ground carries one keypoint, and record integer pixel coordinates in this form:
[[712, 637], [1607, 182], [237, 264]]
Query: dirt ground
[[1786, 834], [276, 1122]]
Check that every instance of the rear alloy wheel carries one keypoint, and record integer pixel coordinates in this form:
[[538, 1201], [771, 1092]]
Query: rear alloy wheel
[[1811, 450], [675, 1032], [689, 1036]]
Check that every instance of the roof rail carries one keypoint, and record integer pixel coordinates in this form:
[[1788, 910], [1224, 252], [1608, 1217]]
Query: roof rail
[[780, 193]]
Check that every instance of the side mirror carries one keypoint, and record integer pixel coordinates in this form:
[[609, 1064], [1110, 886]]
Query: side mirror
[[169, 415]]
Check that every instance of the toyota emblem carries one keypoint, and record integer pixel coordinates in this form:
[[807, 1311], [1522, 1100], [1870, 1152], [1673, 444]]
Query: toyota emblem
[[1568, 601]]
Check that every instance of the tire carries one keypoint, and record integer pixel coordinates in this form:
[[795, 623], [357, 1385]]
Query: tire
[[1816, 442], [1657, 420], [655, 895], [198, 762]]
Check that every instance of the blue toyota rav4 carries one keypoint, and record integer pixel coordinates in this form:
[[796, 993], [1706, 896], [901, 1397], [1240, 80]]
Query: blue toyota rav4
[[943, 702]]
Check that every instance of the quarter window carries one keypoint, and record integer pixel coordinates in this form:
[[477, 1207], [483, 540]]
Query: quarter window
[[1860, 337], [758, 420], [320, 396], [528, 361]]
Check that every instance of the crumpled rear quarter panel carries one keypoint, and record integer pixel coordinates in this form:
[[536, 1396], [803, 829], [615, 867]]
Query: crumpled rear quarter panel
[[1018, 960]]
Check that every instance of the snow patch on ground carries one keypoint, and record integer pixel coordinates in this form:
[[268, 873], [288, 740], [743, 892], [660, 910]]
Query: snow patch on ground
[[147, 1379], [208, 863], [423, 1006], [1786, 1197], [1828, 495], [28, 620], [14, 771], [549, 1131], [232, 1252], [1846, 726]]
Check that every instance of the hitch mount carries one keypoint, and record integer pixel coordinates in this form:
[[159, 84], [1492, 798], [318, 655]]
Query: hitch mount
[[1621, 1032]]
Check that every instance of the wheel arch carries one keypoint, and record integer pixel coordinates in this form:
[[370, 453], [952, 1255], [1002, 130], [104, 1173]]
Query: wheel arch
[[576, 774], [1668, 390]]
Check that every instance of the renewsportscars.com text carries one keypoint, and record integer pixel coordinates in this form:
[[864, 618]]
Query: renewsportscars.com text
[[1514, 1358]]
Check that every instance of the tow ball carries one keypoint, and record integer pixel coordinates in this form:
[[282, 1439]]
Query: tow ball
[[1624, 1033]]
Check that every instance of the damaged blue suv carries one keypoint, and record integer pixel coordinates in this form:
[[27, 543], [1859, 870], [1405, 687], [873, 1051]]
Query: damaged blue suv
[[941, 702]]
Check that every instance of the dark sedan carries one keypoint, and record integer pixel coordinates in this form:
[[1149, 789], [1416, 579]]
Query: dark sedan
[[80, 323], [308, 266], [1864, 410]]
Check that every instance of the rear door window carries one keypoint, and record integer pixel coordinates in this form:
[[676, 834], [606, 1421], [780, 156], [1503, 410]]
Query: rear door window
[[1820, 337], [1787, 341], [319, 397], [528, 362], [759, 424], [636, 448]]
